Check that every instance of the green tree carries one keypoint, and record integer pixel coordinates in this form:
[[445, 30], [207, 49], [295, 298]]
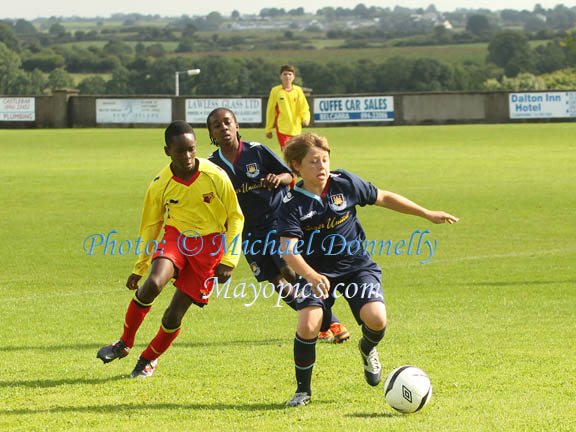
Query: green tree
[[140, 49], [550, 57], [442, 35], [8, 37], [214, 19], [57, 30], [9, 68], [155, 50], [534, 24], [29, 83], [561, 18], [395, 74], [59, 78], [23, 27], [561, 79], [186, 45], [296, 12], [117, 47], [121, 83], [431, 75], [94, 85], [478, 24], [46, 60], [510, 50], [524, 81]]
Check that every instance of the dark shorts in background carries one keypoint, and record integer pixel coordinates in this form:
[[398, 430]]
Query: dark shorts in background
[[264, 264]]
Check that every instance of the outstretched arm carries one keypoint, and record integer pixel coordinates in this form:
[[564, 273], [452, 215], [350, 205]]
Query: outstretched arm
[[401, 204]]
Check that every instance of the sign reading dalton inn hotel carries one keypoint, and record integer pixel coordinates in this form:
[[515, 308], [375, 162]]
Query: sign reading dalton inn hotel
[[542, 105]]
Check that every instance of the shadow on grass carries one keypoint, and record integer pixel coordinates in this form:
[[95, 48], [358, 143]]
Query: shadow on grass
[[59, 382], [131, 408], [519, 283], [375, 415], [198, 344]]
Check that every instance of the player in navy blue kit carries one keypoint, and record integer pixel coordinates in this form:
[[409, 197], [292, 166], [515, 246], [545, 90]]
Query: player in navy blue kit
[[322, 241], [261, 181]]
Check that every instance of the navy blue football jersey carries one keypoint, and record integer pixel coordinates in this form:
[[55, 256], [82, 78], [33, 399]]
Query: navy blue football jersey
[[333, 238], [253, 162]]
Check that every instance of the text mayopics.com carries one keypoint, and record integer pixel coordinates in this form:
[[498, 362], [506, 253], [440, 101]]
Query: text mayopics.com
[[267, 290], [332, 245]]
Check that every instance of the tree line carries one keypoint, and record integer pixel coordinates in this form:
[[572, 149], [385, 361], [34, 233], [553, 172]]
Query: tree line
[[31, 61]]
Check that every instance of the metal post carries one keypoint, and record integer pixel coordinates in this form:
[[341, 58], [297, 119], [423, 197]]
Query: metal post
[[177, 78]]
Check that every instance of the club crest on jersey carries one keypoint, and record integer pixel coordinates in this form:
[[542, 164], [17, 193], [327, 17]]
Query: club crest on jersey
[[337, 202], [252, 170], [208, 197], [255, 269]]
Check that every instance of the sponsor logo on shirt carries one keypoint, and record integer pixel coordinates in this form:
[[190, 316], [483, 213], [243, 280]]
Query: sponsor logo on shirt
[[308, 215], [288, 197]]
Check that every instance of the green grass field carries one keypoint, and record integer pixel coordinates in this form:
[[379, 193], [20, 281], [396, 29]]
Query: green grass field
[[454, 54], [490, 318]]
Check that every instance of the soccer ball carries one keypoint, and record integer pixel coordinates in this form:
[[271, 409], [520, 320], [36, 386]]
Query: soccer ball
[[407, 389]]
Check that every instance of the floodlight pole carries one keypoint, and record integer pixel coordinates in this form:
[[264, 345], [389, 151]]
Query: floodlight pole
[[177, 78]]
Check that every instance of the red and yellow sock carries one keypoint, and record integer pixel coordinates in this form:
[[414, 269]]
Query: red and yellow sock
[[135, 314], [160, 343]]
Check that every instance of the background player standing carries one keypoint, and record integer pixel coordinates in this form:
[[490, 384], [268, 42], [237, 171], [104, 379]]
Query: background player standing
[[261, 181], [201, 206], [287, 108], [324, 203]]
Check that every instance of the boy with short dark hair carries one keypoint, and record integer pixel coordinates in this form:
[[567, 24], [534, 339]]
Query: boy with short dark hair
[[287, 108], [196, 201]]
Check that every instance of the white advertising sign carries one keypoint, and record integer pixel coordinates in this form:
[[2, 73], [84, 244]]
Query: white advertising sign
[[17, 109], [133, 110], [245, 110], [354, 109], [542, 105]]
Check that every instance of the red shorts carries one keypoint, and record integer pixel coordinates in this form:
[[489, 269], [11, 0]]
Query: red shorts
[[195, 257], [283, 139]]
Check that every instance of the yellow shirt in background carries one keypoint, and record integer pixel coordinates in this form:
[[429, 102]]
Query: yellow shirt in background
[[286, 109]]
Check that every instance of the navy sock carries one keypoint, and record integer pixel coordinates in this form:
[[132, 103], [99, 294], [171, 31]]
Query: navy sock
[[304, 358], [370, 338]]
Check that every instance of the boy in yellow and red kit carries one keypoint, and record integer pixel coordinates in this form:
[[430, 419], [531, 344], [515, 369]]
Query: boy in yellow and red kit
[[196, 202], [287, 108]]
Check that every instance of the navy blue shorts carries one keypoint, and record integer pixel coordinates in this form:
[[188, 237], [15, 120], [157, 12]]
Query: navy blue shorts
[[358, 288], [264, 264]]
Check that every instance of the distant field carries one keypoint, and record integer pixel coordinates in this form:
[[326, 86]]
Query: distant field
[[168, 46], [445, 53], [490, 317], [93, 25], [77, 77], [324, 50]]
